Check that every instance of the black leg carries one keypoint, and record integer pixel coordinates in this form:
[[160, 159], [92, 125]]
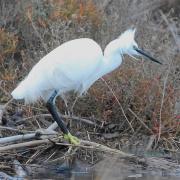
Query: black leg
[[52, 109]]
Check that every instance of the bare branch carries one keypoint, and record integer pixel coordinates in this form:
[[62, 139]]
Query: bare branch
[[118, 104]]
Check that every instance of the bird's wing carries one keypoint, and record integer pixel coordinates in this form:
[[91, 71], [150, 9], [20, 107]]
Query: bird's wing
[[75, 60]]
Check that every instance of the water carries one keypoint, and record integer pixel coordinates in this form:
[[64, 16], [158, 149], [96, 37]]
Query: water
[[118, 169], [110, 168]]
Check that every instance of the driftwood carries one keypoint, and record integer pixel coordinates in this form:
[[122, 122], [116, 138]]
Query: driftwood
[[83, 144], [40, 133], [17, 138], [24, 144], [47, 136]]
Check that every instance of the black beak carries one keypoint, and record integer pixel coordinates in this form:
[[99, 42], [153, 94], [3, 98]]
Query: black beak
[[146, 55]]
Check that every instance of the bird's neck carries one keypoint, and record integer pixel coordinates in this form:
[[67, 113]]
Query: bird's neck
[[112, 57]]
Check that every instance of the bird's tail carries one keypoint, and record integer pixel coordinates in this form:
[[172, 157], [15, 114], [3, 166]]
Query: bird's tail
[[18, 93], [25, 91]]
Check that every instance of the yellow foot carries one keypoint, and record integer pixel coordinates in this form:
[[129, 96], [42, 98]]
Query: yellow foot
[[72, 139]]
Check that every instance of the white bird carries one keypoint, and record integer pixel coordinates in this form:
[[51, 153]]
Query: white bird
[[74, 65]]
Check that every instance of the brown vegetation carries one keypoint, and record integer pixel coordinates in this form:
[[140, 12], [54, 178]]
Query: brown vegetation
[[139, 97]]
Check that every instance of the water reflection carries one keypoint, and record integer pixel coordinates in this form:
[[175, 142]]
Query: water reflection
[[111, 168], [118, 169]]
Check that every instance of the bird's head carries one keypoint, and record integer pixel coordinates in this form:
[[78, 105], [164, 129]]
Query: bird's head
[[129, 46]]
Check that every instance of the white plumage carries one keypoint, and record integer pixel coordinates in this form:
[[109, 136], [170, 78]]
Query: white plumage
[[74, 65]]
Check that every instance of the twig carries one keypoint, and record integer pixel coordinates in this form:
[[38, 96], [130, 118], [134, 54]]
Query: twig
[[50, 156], [97, 146], [147, 7], [162, 100], [3, 90], [141, 121], [170, 29], [53, 126], [150, 143], [12, 129], [38, 35], [5, 105], [35, 116], [34, 155], [2, 109], [87, 121], [118, 103], [25, 144], [45, 133], [104, 148], [168, 71], [17, 138]]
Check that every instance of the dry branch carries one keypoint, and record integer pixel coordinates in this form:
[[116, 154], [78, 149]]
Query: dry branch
[[49, 131], [83, 144], [141, 121], [87, 121], [41, 133], [17, 138], [25, 144], [104, 148], [176, 39], [113, 93]]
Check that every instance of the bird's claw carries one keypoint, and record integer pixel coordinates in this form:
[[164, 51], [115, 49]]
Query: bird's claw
[[72, 139]]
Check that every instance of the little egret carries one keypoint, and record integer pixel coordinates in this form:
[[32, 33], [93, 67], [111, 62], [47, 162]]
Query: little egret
[[74, 65]]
